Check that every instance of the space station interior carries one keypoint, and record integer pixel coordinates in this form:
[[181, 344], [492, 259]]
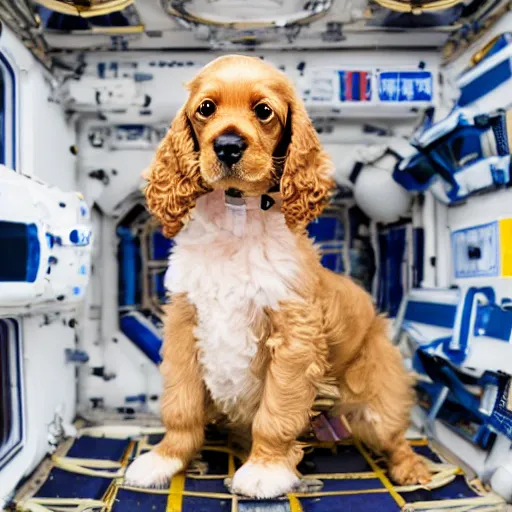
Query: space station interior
[[412, 101]]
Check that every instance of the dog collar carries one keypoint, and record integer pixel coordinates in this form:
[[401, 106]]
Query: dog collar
[[264, 202]]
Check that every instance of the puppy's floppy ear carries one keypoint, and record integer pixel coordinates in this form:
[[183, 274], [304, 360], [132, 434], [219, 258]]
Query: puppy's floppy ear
[[306, 180], [174, 178]]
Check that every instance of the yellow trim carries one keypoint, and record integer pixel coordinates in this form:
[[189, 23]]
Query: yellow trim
[[480, 54], [295, 505], [506, 247], [380, 474], [231, 459], [125, 459], [60, 7], [86, 12], [175, 499], [418, 442], [110, 495], [110, 7], [135, 29]]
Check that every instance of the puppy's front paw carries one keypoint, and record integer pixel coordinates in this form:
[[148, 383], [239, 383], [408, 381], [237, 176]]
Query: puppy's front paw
[[152, 470], [411, 470], [264, 480]]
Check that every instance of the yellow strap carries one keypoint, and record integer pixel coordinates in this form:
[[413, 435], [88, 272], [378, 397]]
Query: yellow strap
[[418, 442], [231, 466], [231, 459], [175, 499], [125, 459], [110, 495], [505, 226], [295, 505], [380, 474]]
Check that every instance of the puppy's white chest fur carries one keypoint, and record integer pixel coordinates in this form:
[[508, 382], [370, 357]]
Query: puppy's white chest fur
[[230, 279]]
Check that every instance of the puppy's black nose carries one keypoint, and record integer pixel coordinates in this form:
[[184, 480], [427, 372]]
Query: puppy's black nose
[[229, 148]]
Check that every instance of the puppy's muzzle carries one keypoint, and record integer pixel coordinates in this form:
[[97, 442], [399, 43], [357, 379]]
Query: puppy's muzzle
[[229, 148]]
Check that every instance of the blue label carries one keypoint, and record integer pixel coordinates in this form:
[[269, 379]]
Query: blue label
[[80, 237], [406, 86]]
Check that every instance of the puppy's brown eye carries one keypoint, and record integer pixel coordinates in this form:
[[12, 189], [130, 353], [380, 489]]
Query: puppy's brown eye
[[263, 112], [207, 108]]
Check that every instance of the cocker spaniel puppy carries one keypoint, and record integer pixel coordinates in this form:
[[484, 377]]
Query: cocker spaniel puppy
[[255, 324]]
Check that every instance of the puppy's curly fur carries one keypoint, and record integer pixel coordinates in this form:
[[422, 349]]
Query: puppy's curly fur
[[256, 325], [175, 181]]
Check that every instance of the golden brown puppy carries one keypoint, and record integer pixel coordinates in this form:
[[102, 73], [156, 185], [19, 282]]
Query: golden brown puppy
[[255, 324]]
